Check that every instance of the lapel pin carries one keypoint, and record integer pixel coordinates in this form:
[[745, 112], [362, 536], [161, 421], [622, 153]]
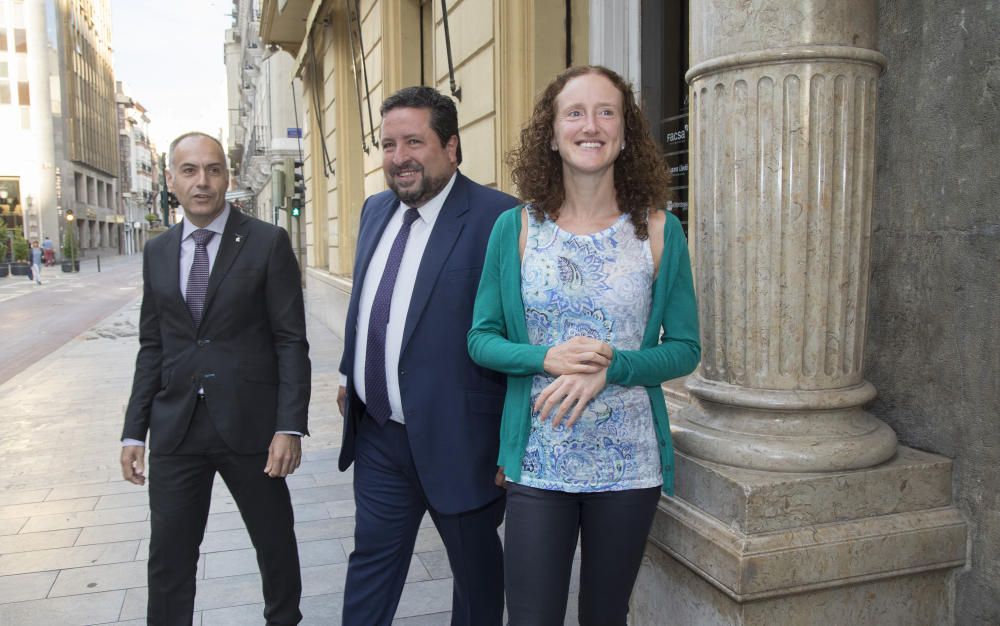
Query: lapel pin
[[239, 238]]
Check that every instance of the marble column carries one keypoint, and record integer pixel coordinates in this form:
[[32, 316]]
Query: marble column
[[793, 504], [782, 148]]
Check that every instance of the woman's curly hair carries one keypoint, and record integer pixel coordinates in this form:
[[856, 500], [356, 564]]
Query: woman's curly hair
[[640, 173]]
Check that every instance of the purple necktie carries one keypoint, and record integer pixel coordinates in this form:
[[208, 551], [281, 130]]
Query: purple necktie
[[197, 284], [376, 390]]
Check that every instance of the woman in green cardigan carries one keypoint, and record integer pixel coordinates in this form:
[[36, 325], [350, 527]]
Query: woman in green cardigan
[[586, 302]]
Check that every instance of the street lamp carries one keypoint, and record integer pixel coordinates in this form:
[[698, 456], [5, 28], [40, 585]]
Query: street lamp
[[71, 234]]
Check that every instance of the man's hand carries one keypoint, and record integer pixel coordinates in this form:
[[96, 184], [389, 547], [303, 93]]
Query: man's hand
[[500, 480], [342, 400], [134, 464], [284, 455], [569, 391], [579, 355]]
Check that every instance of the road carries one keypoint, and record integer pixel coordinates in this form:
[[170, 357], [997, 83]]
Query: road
[[37, 319]]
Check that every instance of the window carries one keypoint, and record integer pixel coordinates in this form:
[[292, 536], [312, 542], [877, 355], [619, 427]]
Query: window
[[23, 93], [3, 38], [664, 90], [20, 40]]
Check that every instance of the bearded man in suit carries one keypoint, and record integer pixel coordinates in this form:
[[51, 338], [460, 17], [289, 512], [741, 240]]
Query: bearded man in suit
[[422, 421]]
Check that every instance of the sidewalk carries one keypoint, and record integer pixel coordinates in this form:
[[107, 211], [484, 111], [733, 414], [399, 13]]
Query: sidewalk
[[53, 277], [74, 535]]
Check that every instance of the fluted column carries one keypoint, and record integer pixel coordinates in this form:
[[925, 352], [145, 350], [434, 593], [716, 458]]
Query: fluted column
[[782, 162]]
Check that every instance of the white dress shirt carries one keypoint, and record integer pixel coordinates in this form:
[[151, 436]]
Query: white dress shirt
[[218, 226], [420, 232]]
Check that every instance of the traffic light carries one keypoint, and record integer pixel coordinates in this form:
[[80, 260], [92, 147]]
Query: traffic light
[[295, 187]]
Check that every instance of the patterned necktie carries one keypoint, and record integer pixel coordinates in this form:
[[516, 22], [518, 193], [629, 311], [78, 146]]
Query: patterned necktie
[[197, 284], [376, 389]]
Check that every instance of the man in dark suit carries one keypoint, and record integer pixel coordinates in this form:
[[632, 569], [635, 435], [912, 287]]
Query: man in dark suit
[[422, 421], [222, 384]]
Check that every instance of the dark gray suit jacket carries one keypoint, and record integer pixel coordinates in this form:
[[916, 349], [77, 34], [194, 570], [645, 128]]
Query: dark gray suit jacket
[[250, 353]]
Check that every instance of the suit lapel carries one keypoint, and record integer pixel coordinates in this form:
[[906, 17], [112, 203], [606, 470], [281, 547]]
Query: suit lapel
[[447, 228], [369, 239], [234, 236], [172, 265]]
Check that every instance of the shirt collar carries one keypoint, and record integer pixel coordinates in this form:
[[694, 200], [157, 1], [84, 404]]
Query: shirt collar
[[430, 210], [218, 225]]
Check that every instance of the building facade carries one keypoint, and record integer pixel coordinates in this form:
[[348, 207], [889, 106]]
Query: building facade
[[28, 166], [86, 130], [265, 134], [138, 182], [836, 443], [57, 109]]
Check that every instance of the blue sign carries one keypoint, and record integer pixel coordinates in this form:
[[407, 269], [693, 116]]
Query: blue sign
[[295, 133]]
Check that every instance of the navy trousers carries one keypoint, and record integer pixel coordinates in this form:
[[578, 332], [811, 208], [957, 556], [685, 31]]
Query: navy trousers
[[390, 505]]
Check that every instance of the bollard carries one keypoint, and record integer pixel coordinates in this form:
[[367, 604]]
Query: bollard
[[98, 264]]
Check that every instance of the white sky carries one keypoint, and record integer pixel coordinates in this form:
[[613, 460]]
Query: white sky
[[169, 55]]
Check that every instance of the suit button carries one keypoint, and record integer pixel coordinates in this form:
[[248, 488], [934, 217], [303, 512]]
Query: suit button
[[402, 372]]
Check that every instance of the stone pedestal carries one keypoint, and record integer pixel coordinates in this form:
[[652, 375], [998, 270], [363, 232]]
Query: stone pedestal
[[793, 504], [745, 547]]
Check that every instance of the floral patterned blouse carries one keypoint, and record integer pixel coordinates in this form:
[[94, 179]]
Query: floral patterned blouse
[[600, 286]]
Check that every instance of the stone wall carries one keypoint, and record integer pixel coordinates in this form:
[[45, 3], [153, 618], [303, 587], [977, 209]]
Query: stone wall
[[933, 351]]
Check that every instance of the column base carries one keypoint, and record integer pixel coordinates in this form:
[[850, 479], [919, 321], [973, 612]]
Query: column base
[[745, 547]]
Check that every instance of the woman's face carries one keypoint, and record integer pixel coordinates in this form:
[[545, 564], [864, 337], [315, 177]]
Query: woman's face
[[589, 124]]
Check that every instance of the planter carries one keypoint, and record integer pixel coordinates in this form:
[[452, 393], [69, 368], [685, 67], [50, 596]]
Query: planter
[[20, 268], [71, 266], [4, 270]]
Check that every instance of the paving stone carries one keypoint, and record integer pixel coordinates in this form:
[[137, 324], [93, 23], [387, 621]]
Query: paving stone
[[23, 497], [110, 533], [119, 500], [436, 563], [66, 492], [98, 578], [86, 518], [333, 528], [341, 508], [321, 494], [93, 608], [27, 542], [12, 526], [134, 606], [61, 558], [323, 579], [335, 478], [425, 597], [428, 540], [47, 508], [322, 610], [234, 615], [235, 562], [434, 619], [21, 587]]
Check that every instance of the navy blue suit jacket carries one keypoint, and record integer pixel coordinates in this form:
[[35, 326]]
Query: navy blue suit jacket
[[452, 406]]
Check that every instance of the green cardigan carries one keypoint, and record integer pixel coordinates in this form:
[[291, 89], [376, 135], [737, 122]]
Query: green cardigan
[[498, 338]]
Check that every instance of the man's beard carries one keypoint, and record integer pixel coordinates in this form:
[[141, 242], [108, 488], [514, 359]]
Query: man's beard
[[419, 194]]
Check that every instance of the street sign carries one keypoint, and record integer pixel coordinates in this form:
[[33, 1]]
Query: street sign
[[295, 133]]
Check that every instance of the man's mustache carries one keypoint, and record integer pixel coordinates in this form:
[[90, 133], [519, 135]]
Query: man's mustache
[[409, 165]]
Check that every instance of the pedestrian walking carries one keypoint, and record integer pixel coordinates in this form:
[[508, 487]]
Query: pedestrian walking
[[36, 262], [587, 304], [48, 250], [420, 418], [222, 384]]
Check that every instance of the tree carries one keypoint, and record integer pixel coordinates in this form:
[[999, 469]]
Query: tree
[[21, 247]]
